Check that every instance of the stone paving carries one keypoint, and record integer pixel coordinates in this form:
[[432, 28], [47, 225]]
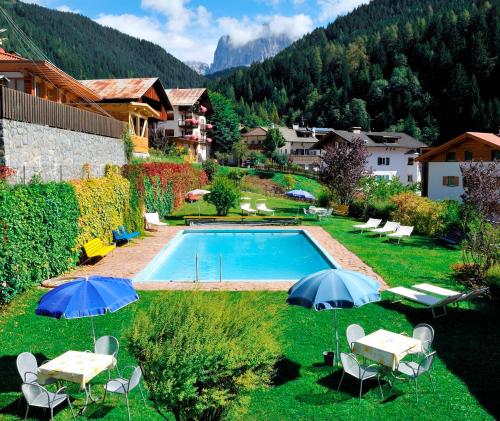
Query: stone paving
[[127, 261]]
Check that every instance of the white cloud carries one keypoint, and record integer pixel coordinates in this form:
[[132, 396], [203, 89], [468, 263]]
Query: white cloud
[[246, 29], [330, 9], [66, 8]]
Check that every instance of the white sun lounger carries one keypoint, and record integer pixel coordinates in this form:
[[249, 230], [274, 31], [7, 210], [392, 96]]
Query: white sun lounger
[[387, 228], [429, 301], [153, 220], [402, 231], [245, 207], [433, 289], [262, 207], [372, 223]]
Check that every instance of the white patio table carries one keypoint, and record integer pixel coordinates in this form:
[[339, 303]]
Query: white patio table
[[77, 367], [386, 348]]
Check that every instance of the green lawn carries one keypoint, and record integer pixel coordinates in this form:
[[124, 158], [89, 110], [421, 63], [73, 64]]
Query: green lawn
[[466, 344]]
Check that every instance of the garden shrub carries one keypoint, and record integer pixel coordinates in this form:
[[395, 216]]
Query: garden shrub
[[158, 198], [224, 195], [421, 212], [39, 230], [492, 280], [104, 204], [202, 353], [362, 209], [210, 167]]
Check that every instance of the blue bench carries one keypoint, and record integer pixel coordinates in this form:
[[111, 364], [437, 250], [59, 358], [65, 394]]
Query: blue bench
[[122, 234]]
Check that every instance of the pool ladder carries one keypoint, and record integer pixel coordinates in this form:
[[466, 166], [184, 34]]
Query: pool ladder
[[220, 269]]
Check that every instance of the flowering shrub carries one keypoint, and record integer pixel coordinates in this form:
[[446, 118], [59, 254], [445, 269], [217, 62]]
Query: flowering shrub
[[6, 172], [421, 212]]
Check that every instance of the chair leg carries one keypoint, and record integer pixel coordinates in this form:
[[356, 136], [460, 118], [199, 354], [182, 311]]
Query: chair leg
[[380, 386], [27, 410], [341, 378], [51, 414], [71, 409], [432, 382], [142, 394], [128, 406], [416, 388], [360, 389]]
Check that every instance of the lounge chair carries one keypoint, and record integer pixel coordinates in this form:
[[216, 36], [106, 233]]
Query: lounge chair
[[429, 301], [401, 232], [262, 208], [245, 207], [153, 220], [372, 223], [433, 289], [387, 228], [468, 297]]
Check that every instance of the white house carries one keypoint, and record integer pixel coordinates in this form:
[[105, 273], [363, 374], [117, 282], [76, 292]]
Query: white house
[[392, 154], [442, 177], [187, 124]]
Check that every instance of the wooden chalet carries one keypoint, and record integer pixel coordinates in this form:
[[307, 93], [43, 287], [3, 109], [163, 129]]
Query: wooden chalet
[[138, 102]]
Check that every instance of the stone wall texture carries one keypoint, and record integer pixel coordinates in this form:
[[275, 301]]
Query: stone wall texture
[[55, 154]]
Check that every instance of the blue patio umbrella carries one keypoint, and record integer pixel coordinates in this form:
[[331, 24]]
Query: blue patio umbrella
[[300, 194], [87, 297], [332, 289]]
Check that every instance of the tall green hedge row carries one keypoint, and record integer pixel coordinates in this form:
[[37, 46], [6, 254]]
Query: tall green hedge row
[[39, 229]]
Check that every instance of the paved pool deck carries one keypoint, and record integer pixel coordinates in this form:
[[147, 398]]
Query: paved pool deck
[[127, 261]]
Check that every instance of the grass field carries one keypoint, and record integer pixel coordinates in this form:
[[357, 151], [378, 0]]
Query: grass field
[[466, 344]]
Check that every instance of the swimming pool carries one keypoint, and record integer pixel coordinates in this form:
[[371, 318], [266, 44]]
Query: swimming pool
[[237, 255]]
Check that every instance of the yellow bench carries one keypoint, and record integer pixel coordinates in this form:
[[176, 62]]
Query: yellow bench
[[96, 248]]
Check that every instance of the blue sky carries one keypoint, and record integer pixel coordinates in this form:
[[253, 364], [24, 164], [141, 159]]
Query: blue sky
[[190, 29]]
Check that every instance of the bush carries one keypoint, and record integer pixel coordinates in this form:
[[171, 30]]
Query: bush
[[362, 209], [421, 212], [451, 216], [492, 280], [128, 145], [39, 229], [201, 353], [158, 198], [236, 176], [384, 189], [223, 195], [210, 167], [104, 204]]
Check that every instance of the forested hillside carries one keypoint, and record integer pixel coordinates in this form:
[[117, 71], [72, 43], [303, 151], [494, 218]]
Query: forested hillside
[[87, 50], [428, 67]]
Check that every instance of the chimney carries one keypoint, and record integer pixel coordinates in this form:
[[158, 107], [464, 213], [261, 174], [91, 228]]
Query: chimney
[[356, 129]]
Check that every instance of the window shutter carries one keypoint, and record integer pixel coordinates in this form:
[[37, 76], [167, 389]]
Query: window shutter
[[387, 161], [456, 181], [445, 181]]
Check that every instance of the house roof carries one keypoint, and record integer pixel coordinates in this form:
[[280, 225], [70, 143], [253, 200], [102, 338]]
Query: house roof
[[185, 97], [290, 136], [10, 62], [258, 131], [490, 139], [108, 89], [374, 139]]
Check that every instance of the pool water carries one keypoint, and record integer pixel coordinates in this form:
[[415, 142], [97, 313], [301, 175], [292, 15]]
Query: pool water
[[244, 255]]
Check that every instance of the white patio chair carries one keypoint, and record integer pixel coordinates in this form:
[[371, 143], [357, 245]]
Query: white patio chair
[[353, 333], [359, 371], [413, 370], [36, 395], [124, 386], [153, 220], [426, 300], [372, 223], [387, 228], [108, 345], [262, 208], [401, 232], [325, 214], [27, 368], [245, 207], [424, 333]]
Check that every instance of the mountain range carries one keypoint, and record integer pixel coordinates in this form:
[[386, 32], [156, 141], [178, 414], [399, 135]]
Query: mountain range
[[87, 50], [229, 54]]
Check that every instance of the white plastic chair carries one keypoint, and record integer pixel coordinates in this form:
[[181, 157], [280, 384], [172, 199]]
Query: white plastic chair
[[262, 207], [27, 368], [124, 386], [359, 371], [424, 333], [245, 207], [108, 345], [36, 395], [413, 370], [370, 224], [153, 219], [401, 232], [353, 333]]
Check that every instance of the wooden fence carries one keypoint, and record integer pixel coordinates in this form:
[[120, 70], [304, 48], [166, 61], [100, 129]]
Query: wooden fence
[[18, 106]]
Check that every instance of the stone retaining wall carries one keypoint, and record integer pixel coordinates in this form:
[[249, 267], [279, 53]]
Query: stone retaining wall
[[55, 154]]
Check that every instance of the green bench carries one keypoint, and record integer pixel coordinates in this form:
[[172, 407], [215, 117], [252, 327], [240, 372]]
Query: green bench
[[96, 248]]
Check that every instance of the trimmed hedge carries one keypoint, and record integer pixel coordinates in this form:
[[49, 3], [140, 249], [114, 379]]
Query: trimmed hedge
[[104, 205], [39, 231]]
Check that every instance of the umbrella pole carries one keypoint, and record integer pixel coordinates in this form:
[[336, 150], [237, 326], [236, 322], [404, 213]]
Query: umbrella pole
[[335, 322], [92, 328]]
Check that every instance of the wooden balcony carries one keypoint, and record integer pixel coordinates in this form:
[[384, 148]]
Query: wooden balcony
[[306, 159]]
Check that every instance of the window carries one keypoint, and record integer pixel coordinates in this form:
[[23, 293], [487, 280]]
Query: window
[[468, 155], [495, 155], [451, 156], [411, 161], [382, 177], [450, 181], [410, 178], [383, 161], [169, 133]]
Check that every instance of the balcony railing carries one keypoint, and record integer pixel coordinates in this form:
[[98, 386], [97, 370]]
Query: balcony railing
[[18, 106]]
